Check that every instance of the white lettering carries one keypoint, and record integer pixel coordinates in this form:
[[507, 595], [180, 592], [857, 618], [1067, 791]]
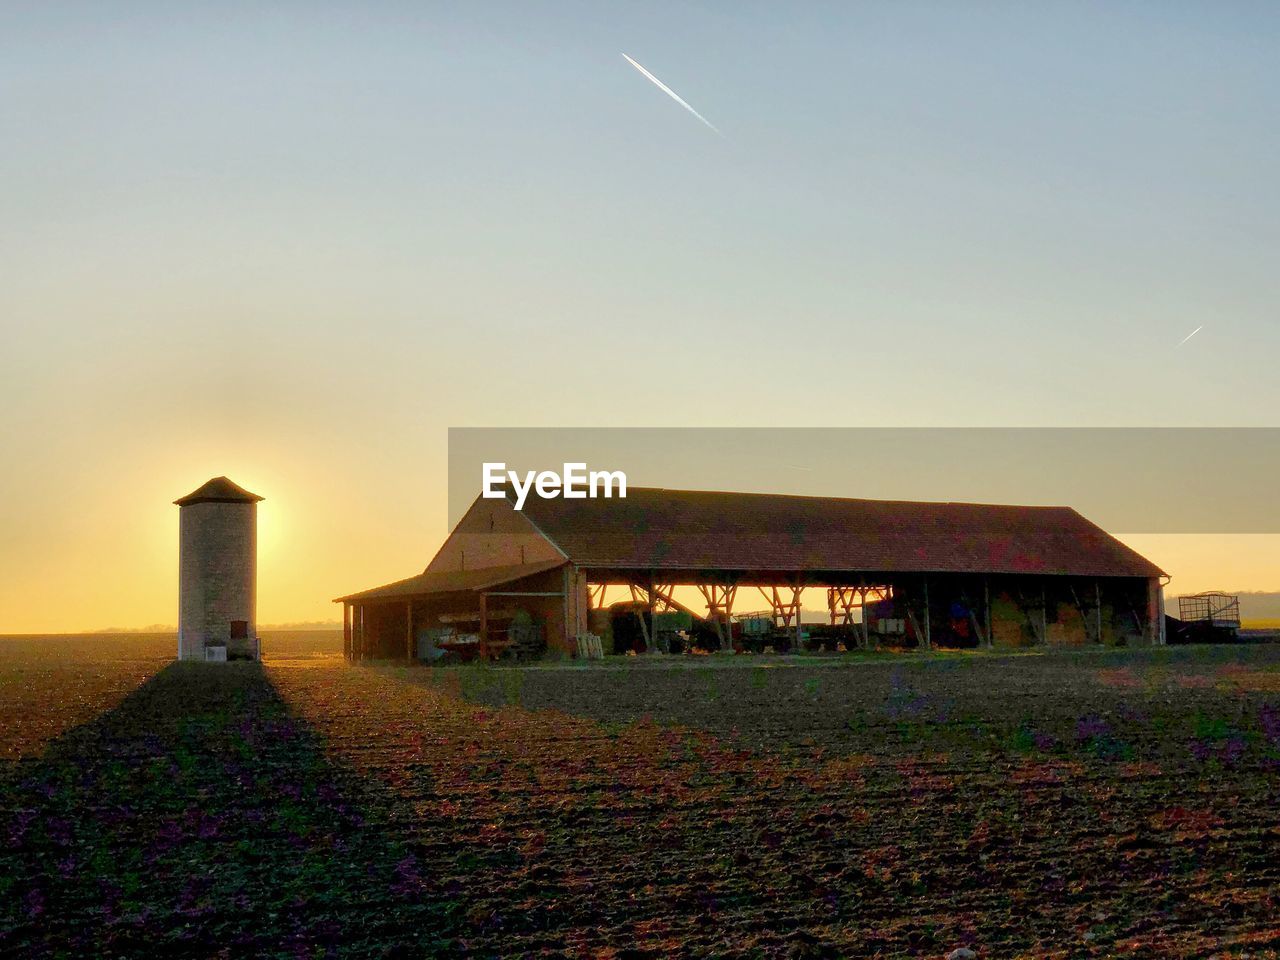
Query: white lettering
[[575, 476], [575, 483], [548, 484], [609, 477], [495, 474], [521, 492]]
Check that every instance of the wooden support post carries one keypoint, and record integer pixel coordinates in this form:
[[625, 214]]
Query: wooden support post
[[866, 621], [359, 624], [840, 603], [1027, 610], [795, 609], [1044, 615], [1151, 628], [986, 606], [651, 632], [408, 631], [915, 625], [723, 606], [484, 626], [973, 618], [579, 601], [775, 604], [1161, 631], [709, 595], [928, 617], [346, 631], [570, 635], [636, 597], [1097, 604], [717, 608], [720, 603], [730, 592], [1084, 614]]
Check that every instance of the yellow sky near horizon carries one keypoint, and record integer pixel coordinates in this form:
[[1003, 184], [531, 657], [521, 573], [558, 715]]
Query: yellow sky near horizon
[[323, 241], [323, 533]]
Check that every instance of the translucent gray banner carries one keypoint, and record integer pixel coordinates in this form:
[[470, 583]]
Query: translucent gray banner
[[1127, 480]]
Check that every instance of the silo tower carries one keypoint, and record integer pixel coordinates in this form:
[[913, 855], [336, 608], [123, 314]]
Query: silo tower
[[217, 572]]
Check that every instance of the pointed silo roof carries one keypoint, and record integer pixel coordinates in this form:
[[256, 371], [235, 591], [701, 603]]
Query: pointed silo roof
[[219, 490]]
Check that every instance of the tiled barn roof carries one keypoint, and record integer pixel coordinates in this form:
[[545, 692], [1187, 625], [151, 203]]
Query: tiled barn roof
[[662, 529], [453, 581]]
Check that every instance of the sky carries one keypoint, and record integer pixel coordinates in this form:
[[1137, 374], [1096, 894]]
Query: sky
[[295, 243]]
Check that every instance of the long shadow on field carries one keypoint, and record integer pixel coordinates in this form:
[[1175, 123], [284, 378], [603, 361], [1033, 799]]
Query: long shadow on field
[[200, 818]]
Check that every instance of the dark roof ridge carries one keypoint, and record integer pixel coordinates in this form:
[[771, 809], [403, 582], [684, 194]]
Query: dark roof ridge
[[820, 496]]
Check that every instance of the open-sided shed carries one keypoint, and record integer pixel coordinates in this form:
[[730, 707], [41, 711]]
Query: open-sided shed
[[983, 574]]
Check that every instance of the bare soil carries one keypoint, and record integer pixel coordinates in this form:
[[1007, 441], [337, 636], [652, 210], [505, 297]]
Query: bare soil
[[1092, 803]]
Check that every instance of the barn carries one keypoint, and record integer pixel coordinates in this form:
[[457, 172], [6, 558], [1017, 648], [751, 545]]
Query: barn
[[888, 573]]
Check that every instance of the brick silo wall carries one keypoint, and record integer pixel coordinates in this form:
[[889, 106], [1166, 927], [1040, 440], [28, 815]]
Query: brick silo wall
[[217, 574]]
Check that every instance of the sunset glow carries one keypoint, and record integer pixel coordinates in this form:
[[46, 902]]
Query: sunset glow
[[460, 499], [321, 242]]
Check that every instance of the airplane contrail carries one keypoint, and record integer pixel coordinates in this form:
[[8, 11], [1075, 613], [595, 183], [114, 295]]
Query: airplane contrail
[[672, 94], [1190, 335]]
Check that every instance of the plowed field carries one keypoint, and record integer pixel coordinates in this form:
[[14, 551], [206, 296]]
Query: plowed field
[[1064, 805]]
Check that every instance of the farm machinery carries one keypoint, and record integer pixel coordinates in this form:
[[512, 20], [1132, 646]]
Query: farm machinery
[[1212, 617]]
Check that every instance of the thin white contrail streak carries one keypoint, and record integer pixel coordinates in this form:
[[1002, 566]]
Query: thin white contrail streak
[[672, 94], [1190, 335]]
